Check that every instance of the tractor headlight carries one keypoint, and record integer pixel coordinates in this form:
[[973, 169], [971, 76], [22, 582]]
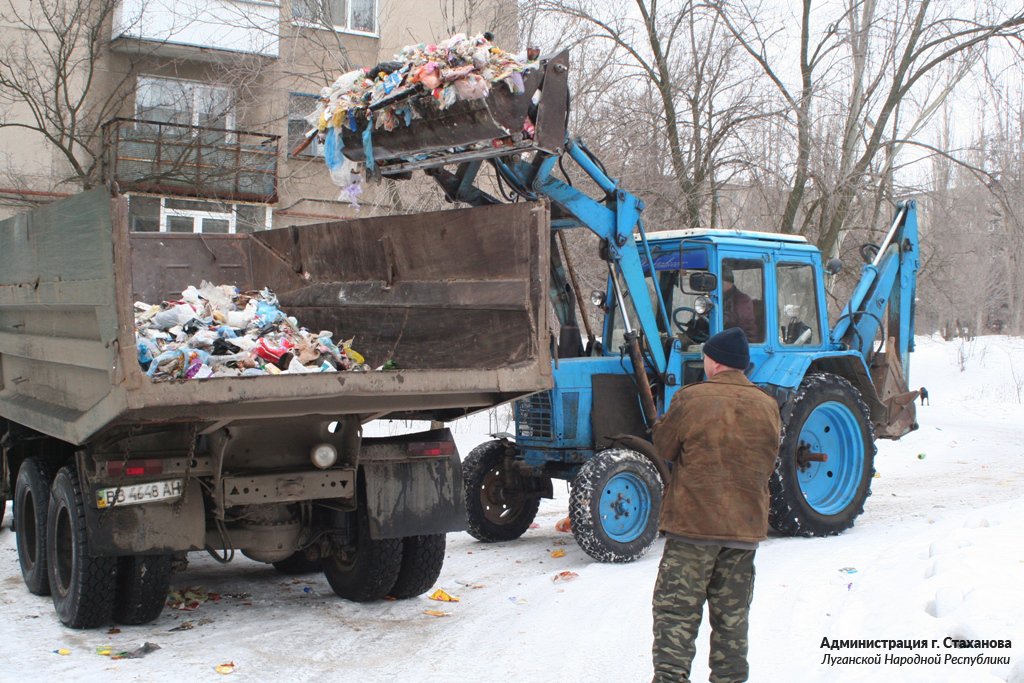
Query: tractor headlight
[[324, 455], [702, 305], [597, 298]]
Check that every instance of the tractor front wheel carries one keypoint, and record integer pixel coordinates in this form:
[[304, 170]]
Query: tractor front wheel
[[616, 498]]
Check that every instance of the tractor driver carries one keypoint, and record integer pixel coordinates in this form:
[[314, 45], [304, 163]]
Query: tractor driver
[[737, 307]]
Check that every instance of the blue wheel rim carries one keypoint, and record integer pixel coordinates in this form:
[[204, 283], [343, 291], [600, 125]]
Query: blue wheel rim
[[830, 486], [625, 507]]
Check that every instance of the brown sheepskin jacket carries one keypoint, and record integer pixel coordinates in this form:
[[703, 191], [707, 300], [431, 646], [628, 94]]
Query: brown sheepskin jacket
[[722, 437]]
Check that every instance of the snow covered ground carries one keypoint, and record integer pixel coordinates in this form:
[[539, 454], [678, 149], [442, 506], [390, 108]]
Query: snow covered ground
[[938, 553]]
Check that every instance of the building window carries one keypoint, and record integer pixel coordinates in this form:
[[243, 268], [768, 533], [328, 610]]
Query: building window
[[342, 15], [299, 107], [170, 214], [188, 103]]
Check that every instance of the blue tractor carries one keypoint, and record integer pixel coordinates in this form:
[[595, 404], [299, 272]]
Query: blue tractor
[[838, 387]]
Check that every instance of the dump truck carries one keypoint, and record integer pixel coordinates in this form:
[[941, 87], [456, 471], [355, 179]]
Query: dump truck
[[838, 386], [115, 477]]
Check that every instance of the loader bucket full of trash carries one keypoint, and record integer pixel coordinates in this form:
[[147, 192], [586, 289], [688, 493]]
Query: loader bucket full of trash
[[461, 100]]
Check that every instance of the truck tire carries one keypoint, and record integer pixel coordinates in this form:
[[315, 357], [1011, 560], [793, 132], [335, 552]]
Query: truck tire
[[494, 513], [297, 563], [31, 501], [367, 571], [422, 559], [813, 498], [616, 497], [3, 508], [143, 582], [82, 586]]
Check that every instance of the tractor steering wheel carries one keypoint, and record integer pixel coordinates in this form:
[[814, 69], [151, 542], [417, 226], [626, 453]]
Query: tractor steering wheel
[[692, 328]]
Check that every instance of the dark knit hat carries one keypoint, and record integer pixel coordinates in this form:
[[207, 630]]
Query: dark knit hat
[[729, 347]]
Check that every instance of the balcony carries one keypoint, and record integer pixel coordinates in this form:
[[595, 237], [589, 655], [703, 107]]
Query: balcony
[[190, 161], [197, 29]]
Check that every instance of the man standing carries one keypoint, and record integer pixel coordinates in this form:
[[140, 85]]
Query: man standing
[[722, 438]]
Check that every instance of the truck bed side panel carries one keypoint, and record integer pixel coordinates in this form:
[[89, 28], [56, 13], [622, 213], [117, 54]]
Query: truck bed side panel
[[457, 298]]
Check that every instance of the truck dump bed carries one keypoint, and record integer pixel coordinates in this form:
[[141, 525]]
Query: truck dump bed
[[456, 298]]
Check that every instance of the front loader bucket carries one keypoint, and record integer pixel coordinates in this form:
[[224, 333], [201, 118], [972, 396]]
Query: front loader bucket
[[469, 129], [891, 385]]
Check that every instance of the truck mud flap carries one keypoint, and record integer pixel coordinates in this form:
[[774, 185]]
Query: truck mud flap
[[415, 498], [161, 527]]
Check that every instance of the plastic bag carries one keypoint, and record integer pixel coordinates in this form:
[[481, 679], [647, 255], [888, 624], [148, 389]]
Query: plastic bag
[[332, 150]]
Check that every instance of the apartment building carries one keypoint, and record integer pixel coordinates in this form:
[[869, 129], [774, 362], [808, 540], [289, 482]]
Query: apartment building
[[194, 109]]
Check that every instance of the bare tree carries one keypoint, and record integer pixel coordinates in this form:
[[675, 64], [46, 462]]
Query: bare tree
[[865, 62], [674, 73], [51, 69]]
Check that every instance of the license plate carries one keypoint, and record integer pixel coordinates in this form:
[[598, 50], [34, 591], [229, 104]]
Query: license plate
[[138, 493]]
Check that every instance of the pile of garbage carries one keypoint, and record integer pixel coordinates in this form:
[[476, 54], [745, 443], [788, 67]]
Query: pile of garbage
[[461, 68], [218, 331]]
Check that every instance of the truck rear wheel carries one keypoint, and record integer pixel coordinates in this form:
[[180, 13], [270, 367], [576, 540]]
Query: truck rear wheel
[[493, 511], [31, 501], [811, 497], [422, 559], [82, 586], [616, 497], [367, 570], [143, 582]]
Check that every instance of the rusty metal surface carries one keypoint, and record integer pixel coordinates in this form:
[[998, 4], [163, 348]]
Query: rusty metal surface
[[285, 487], [69, 273], [190, 161], [464, 123], [900, 416], [415, 498], [472, 130], [171, 526]]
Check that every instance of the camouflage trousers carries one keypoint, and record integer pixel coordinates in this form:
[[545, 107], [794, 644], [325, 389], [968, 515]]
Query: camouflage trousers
[[688, 575]]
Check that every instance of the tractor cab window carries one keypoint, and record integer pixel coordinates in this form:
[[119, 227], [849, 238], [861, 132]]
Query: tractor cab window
[[687, 315], [798, 305], [742, 299]]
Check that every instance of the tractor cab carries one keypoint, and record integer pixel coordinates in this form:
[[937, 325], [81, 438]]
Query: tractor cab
[[767, 284]]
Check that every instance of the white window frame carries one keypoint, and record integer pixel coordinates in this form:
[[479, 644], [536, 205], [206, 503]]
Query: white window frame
[[298, 21], [230, 216], [198, 218]]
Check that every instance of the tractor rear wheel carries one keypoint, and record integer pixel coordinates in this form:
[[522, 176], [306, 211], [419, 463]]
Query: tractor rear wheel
[[616, 498], [494, 512], [826, 460]]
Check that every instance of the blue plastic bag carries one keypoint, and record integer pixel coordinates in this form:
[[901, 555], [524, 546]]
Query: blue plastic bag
[[332, 149]]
